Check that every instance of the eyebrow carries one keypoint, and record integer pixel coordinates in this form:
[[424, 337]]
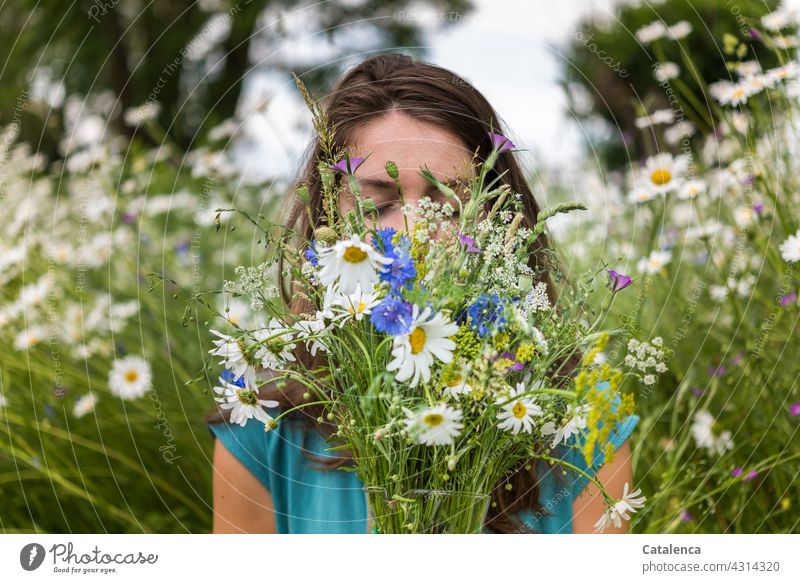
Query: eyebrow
[[383, 184]]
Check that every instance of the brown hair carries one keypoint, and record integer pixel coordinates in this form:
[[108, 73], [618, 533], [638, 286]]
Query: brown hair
[[432, 94]]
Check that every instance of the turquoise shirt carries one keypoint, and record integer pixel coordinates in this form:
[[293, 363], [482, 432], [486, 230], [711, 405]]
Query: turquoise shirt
[[309, 500]]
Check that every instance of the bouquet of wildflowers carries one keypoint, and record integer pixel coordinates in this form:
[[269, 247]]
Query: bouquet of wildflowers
[[442, 362]]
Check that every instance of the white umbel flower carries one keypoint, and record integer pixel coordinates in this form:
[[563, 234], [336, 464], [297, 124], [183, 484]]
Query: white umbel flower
[[621, 509], [414, 351], [707, 437], [437, 425], [230, 349], [790, 248], [243, 403], [130, 377], [517, 413], [277, 347], [352, 262]]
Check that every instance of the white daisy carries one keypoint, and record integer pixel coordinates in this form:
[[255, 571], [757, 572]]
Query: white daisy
[[30, 337], [780, 18], [718, 292], [660, 116], [679, 30], [790, 248], [35, 293], [130, 377], [619, 511], [640, 194], [653, 31], [663, 172], [306, 329], [707, 436], [666, 71], [785, 72], [276, 344], [743, 216], [728, 93], [84, 405], [456, 383], [518, 412], [134, 116], [232, 350], [352, 262], [353, 306], [572, 424], [243, 402], [437, 425], [428, 337], [655, 262], [691, 189], [679, 131]]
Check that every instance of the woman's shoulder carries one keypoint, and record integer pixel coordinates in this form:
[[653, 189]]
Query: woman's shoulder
[[268, 453], [254, 445]]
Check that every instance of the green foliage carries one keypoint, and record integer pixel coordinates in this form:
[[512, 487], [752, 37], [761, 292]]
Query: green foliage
[[608, 67]]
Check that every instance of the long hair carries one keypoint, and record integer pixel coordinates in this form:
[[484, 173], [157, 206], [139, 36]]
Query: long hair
[[425, 92]]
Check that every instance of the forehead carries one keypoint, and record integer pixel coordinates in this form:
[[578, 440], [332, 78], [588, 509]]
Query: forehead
[[410, 144]]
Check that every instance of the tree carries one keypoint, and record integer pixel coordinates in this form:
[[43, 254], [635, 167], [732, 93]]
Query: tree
[[606, 65], [189, 56]]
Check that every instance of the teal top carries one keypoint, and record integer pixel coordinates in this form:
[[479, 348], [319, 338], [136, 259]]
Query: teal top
[[309, 500]]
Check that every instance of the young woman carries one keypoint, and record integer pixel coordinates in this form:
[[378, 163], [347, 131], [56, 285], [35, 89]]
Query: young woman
[[415, 114]]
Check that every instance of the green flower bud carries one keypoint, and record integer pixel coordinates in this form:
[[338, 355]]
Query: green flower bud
[[326, 235], [303, 194], [391, 170]]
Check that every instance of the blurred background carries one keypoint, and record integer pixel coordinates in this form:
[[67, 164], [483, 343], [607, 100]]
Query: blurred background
[[126, 124]]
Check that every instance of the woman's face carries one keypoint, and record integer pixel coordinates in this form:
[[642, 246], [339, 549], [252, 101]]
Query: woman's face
[[410, 144]]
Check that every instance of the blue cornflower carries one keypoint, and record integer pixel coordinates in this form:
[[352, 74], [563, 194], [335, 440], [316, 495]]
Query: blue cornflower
[[311, 253], [401, 271], [487, 313], [385, 236], [228, 376], [392, 315]]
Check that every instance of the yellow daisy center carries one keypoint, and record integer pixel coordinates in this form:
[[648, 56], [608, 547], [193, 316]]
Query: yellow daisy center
[[247, 397], [417, 340], [454, 380], [433, 419], [354, 254], [131, 375], [661, 176], [519, 410], [357, 309]]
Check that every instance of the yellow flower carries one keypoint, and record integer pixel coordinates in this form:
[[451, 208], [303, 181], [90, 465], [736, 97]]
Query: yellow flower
[[526, 352], [500, 340]]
